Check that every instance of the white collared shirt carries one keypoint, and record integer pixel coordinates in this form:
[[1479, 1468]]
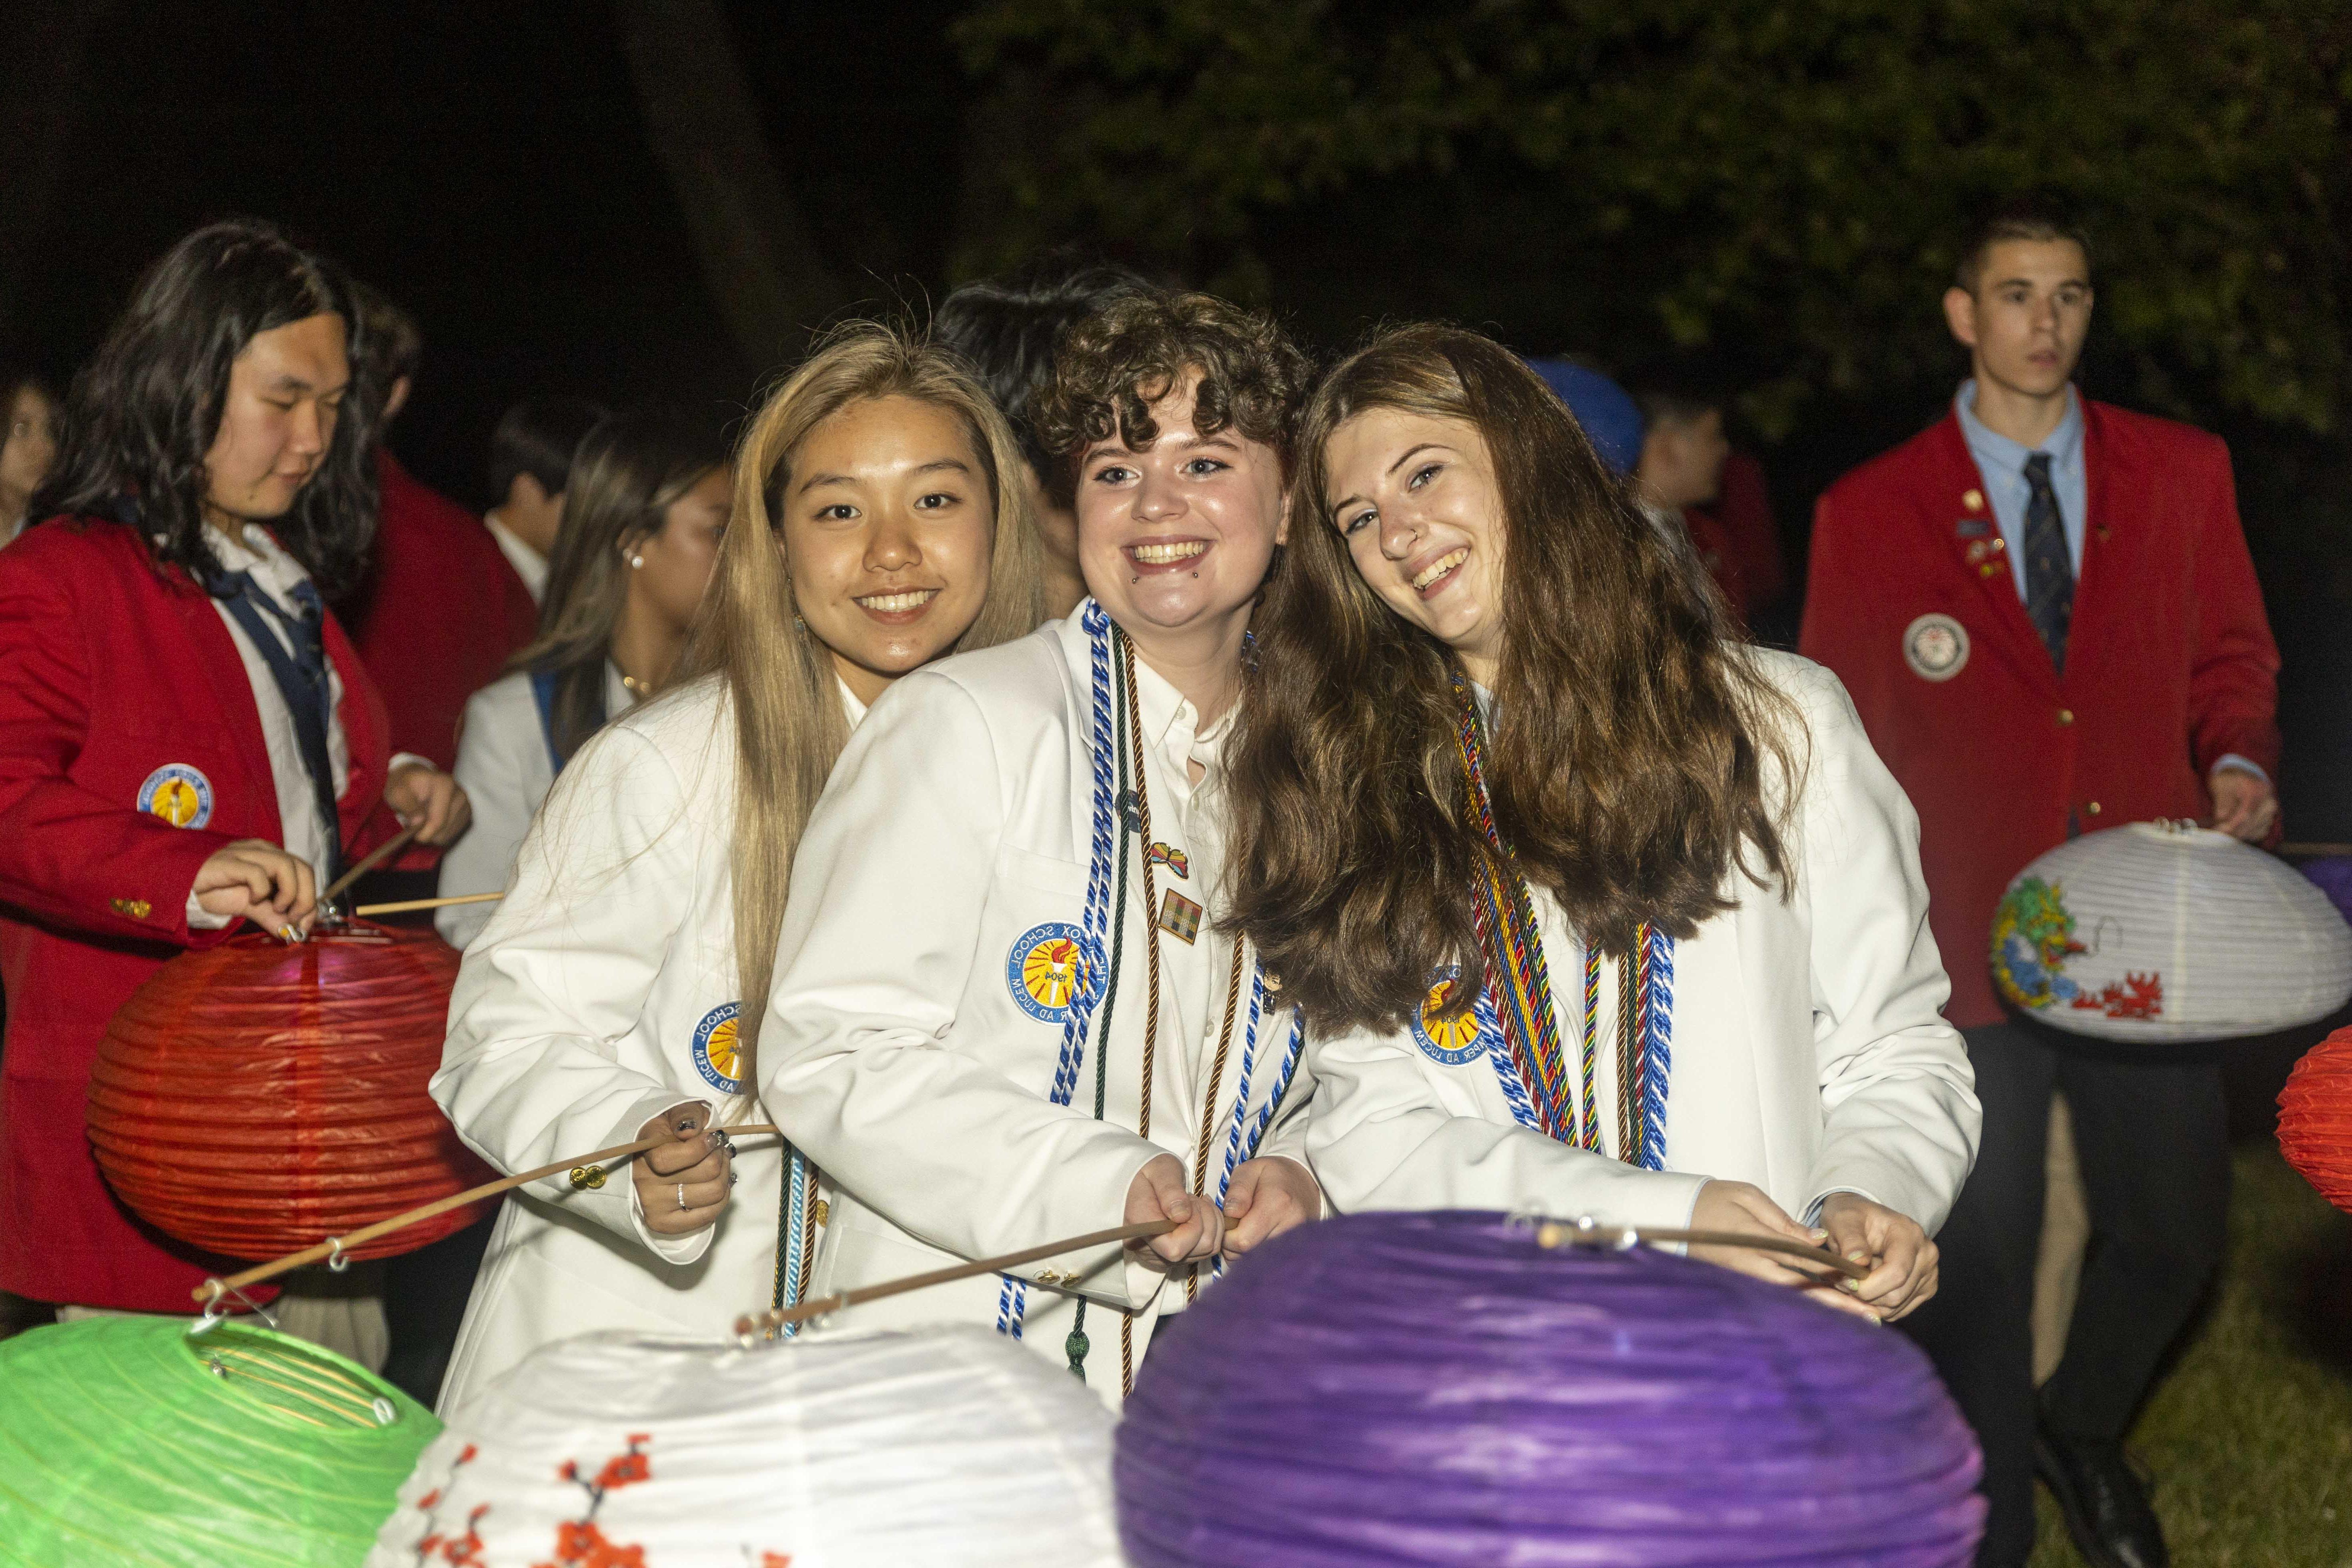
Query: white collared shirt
[[529, 563], [301, 833]]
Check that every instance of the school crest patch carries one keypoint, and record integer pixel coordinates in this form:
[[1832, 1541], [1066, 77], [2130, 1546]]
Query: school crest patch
[[1045, 970], [718, 1051], [1935, 647], [178, 793], [1447, 1035]]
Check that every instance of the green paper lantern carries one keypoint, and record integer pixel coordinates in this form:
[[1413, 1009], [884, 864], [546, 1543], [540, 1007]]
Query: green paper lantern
[[126, 1440]]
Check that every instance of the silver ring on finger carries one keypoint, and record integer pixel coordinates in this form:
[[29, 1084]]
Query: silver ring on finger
[[681, 1197]]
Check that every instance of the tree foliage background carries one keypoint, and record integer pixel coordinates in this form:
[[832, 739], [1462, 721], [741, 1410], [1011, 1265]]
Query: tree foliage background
[[1774, 185]]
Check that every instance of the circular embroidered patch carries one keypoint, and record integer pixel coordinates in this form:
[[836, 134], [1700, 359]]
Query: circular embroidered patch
[[1453, 1037], [1045, 970], [1935, 647], [717, 1053], [178, 794]]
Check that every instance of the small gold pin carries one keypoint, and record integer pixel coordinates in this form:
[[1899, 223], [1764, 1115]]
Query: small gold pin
[[1973, 501]]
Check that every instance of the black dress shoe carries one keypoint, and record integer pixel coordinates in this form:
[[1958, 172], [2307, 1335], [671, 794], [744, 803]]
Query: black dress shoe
[[2104, 1502]]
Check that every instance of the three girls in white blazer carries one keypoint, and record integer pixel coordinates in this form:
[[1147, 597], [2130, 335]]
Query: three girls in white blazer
[[1002, 1011], [1589, 907], [873, 529]]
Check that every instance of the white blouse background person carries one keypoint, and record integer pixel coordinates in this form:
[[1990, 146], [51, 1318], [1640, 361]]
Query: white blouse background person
[[870, 535], [934, 985], [1476, 623], [642, 515]]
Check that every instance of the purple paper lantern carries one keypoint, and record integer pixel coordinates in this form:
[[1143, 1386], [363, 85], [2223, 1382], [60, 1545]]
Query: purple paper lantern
[[1436, 1388]]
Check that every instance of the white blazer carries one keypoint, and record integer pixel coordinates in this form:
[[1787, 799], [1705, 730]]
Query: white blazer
[[1809, 1053], [505, 769], [909, 1057], [602, 994]]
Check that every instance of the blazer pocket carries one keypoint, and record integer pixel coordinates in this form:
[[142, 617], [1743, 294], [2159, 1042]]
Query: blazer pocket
[[1036, 873]]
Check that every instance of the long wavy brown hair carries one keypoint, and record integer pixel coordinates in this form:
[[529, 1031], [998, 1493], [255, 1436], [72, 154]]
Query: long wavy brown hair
[[1632, 739]]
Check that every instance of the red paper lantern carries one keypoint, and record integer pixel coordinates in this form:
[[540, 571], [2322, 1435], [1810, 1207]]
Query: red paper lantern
[[254, 1098], [2315, 1126]]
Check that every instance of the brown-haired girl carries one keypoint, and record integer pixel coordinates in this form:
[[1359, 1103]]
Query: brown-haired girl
[[1002, 1012], [874, 529], [1589, 907]]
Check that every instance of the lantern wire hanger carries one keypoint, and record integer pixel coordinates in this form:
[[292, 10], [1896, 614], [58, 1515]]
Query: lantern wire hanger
[[212, 1293], [1586, 1231], [1549, 1235]]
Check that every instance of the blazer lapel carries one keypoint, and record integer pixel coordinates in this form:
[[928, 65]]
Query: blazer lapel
[[1982, 559]]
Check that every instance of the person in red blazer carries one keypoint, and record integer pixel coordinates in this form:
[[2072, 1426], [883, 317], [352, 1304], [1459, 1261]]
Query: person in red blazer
[[153, 788], [440, 608], [2044, 610]]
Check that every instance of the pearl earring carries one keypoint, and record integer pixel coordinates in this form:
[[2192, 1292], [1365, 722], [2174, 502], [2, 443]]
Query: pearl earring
[[636, 562]]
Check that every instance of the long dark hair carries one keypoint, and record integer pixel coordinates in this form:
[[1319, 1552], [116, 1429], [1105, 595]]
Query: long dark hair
[[1627, 766], [629, 470], [143, 414]]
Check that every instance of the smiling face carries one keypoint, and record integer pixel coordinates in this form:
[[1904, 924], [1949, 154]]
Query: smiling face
[[2025, 321], [889, 528], [1416, 500], [1174, 539], [285, 393]]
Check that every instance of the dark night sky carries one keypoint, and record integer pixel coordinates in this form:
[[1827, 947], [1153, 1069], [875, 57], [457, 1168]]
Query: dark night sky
[[486, 165]]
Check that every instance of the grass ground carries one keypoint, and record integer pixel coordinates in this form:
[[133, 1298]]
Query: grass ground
[[2251, 1436]]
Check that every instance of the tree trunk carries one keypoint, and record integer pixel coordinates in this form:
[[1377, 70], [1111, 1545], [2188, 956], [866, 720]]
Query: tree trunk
[[756, 259]]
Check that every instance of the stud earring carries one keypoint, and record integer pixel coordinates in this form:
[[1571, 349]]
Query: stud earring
[[636, 562]]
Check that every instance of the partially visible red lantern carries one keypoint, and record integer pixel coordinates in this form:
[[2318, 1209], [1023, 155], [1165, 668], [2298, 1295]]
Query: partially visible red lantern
[[2315, 1126], [257, 1097]]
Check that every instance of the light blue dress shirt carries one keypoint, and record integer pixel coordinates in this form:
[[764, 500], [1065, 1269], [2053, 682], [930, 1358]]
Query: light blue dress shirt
[[2001, 462]]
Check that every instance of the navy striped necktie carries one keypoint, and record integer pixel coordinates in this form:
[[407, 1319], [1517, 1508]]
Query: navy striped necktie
[[2049, 572]]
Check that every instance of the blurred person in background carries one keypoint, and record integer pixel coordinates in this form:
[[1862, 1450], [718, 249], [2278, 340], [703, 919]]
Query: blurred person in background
[[1743, 510], [28, 443], [644, 513], [1006, 329], [1680, 472], [530, 456], [438, 610], [2045, 612], [186, 738]]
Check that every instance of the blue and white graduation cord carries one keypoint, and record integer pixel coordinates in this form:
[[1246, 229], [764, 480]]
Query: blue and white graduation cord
[[1013, 1297]]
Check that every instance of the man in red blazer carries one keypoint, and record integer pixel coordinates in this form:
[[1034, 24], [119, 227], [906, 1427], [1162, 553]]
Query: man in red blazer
[[2044, 610], [186, 738], [440, 608]]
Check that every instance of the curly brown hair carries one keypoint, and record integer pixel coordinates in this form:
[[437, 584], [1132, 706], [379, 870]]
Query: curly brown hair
[[1632, 744], [1114, 365]]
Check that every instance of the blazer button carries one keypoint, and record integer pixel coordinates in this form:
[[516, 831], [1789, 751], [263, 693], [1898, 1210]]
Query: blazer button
[[584, 1177], [2091, 808], [823, 1213], [2065, 716]]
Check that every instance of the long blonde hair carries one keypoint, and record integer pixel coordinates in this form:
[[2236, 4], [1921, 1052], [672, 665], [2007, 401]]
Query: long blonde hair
[[781, 680]]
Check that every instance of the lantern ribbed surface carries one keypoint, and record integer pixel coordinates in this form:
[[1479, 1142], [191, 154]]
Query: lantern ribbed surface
[[854, 1450], [119, 1444], [1438, 1389], [257, 1097], [2162, 931], [2315, 1124]]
